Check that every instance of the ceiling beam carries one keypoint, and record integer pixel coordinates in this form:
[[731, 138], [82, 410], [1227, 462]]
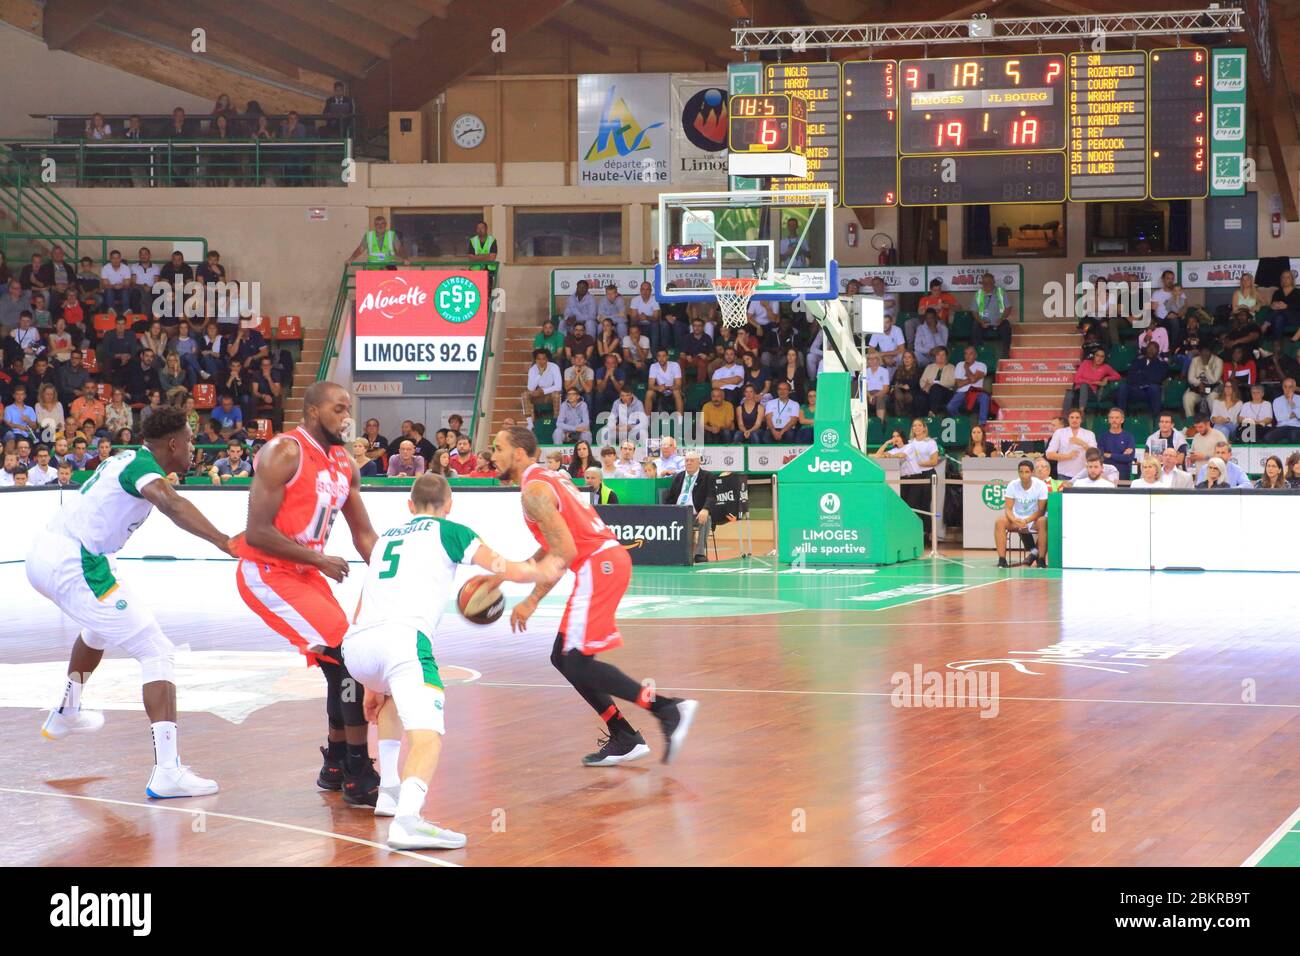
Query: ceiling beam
[[675, 41], [433, 8], [173, 27], [65, 20], [367, 34], [702, 12], [420, 69], [396, 17], [560, 28], [297, 36], [1271, 101]]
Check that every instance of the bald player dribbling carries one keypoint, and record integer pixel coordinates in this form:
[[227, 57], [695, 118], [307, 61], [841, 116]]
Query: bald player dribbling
[[567, 527]]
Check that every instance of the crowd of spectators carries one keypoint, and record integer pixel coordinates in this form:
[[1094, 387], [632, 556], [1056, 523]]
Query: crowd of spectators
[[87, 359], [631, 357]]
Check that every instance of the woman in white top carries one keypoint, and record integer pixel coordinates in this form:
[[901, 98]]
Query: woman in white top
[[60, 344], [1247, 296], [1226, 410], [1257, 412], [49, 413], [920, 456], [1151, 476]]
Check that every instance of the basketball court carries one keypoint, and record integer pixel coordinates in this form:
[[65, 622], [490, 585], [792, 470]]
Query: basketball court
[[1129, 731]]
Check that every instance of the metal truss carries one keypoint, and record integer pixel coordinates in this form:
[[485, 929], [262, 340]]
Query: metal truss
[[1004, 29]]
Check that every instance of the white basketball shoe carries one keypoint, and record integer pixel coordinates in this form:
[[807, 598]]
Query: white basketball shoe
[[417, 833], [58, 725], [178, 781]]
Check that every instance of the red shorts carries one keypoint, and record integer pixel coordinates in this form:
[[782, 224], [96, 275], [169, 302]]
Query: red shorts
[[588, 624], [295, 602]]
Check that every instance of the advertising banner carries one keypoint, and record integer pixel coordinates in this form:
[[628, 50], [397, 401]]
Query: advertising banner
[[1137, 270], [652, 534], [700, 129], [420, 320], [623, 129], [1227, 121], [564, 282], [730, 497], [744, 78], [966, 278], [722, 457], [1216, 273], [896, 278], [768, 458]]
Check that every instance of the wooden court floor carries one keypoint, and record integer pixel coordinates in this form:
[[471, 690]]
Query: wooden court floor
[[1114, 719]]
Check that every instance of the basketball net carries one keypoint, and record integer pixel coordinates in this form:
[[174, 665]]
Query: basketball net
[[733, 299]]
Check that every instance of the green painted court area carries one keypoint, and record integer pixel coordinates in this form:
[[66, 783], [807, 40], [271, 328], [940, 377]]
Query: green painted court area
[[1286, 851], [750, 586]]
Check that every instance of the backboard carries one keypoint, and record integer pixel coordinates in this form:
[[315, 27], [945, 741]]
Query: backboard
[[784, 239]]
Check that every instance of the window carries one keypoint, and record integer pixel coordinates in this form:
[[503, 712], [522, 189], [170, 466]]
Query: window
[[1149, 228], [436, 233], [1015, 230], [589, 235]]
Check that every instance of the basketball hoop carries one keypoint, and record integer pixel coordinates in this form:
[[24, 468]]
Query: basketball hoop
[[733, 299]]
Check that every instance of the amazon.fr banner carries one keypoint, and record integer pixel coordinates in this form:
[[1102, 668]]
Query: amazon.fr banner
[[652, 534], [414, 320]]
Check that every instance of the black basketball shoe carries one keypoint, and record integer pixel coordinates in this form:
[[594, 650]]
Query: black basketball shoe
[[617, 748], [331, 772], [361, 786]]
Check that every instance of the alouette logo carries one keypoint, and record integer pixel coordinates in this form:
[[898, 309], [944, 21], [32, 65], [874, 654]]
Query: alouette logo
[[393, 298]]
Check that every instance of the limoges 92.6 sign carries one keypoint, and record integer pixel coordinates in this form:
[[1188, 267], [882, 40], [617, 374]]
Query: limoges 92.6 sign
[[427, 321]]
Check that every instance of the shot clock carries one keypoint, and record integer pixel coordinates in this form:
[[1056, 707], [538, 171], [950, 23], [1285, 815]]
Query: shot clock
[[768, 123]]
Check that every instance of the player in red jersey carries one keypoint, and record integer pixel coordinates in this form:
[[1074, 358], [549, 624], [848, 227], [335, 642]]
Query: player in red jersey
[[302, 479], [567, 527]]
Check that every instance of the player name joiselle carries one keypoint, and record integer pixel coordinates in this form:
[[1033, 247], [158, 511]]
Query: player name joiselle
[[431, 353]]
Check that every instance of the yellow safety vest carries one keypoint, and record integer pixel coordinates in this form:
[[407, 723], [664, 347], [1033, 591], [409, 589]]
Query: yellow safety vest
[[481, 249], [385, 253]]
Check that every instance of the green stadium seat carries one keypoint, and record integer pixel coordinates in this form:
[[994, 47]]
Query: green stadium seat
[[961, 324], [1172, 397], [1139, 426], [544, 430], [988, 354], [1122, 357], [639, 390], [951, 432], [697, 393], [875, 432], [902, 423]]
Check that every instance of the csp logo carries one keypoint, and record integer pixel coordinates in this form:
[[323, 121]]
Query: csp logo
[[830, 503], [830, 438], [457, 299], [994, 495]]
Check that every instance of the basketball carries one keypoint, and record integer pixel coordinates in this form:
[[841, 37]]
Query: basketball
[[479, 605]]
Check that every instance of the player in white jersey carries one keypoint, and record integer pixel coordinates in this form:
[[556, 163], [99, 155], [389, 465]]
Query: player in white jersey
[[70, 563], [389, 649]]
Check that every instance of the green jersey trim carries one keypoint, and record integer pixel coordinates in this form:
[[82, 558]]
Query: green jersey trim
[[98, 575], [141, 465], [457, 540], [424, 651]]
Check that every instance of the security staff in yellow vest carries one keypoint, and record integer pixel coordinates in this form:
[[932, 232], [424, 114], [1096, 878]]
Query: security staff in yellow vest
[[380, 246], [483, 249], [992, 314], [596, 483]]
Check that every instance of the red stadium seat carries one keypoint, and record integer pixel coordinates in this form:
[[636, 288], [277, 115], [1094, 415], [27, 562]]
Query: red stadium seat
[[262, 324], [288, 329], [90, 360], [104, 322], [105, 391], [205, 396], [262, 430]]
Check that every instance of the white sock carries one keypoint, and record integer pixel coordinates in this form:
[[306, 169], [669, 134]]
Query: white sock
[[388, 751], [71, 697], [411, 799], [164, 743]]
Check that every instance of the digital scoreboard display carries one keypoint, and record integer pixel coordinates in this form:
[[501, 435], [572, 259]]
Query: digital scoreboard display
[[1108, 126], [981, 178], [768, 123], [1034, 127], [868, 150], [982, 104], [1178, 86], [818, 85]]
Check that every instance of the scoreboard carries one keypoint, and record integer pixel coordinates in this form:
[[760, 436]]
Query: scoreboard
[[1032, 127], [1108, 126]]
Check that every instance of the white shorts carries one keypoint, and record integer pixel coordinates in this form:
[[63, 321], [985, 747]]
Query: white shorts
[[397, 660], [86, 589]]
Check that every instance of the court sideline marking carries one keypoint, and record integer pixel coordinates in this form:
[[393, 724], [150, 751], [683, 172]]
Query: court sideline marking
[[885, 693], [230, 816], [1273, 839]]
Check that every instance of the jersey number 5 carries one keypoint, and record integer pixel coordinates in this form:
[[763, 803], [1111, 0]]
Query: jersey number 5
[[391, 559]]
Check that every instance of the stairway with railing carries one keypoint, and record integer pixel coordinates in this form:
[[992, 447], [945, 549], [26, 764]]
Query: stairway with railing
[[320, 352], [28, 205]]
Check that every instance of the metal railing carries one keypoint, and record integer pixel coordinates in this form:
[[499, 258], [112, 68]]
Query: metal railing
[[30, 204], [98, 246], [181, 162]]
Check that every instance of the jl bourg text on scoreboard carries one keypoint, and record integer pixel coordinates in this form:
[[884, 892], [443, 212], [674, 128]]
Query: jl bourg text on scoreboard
[[1040, 127]]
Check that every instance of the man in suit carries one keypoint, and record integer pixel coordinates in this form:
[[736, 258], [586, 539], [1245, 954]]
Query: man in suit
[[1177, 477], [695, 487]]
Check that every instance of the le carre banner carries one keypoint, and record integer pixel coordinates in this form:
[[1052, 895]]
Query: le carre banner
[[420, 320]]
